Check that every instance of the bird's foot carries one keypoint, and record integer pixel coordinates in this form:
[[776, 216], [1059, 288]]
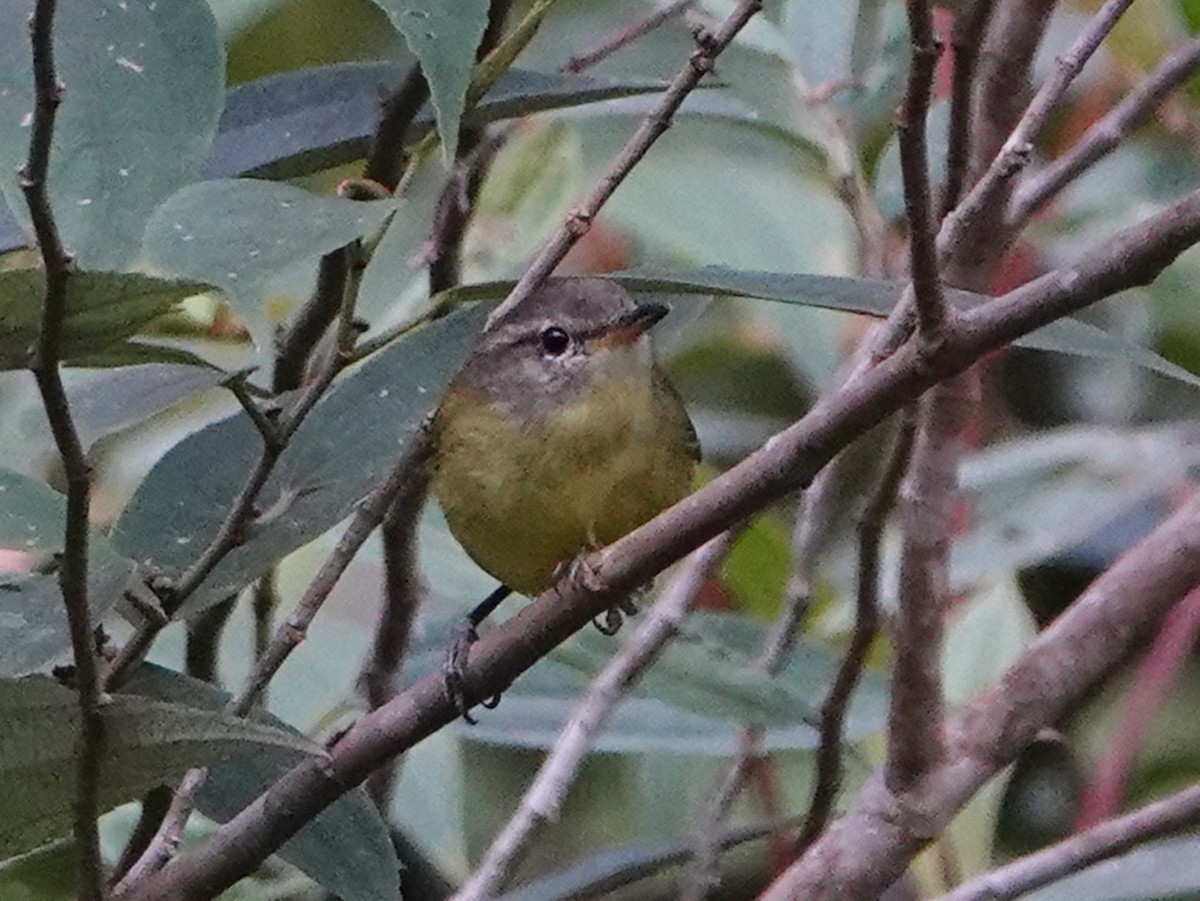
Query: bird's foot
[[454, 671]]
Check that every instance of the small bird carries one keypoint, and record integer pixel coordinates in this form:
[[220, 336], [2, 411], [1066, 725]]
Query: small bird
[[559, 435]]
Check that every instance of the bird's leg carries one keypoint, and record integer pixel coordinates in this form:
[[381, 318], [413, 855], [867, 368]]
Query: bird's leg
[[580, 569], [454, 667]]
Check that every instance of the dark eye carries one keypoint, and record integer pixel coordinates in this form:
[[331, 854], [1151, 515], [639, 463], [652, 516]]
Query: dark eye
[[554, 341]]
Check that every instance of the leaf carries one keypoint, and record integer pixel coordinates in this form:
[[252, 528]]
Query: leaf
[[102, 309], [33, 623], [34, 632], [145, 744], [346, 848], [872, 297], [986, 635], [297, 123], [144, 83], [444, 37], [351, 438], [237, 234], [109, 401]]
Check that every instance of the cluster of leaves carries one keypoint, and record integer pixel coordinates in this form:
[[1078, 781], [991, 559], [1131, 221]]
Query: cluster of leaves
[[167, 185]]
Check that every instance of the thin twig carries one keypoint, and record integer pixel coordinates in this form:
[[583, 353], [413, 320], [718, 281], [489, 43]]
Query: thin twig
[[970, 25], [1104, 136], [386, 160], [1090, 640], [545, 796], [166, 840], [933, 315], [656, 122], [626, 36], [991, 188], [866, 626], [1103, 841], [47, 355]]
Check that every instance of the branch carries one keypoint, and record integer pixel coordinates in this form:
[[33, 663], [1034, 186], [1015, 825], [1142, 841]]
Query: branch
[[544, 799], [626, 36], [657, 121], [969, 28], [786, 462], [1104, 840], [866, 627], [933, 317], [47, 355], [1104, 136], [989, 193], [870, 846]]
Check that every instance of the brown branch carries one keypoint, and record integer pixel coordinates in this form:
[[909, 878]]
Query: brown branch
[[579, 220], [866, 627], [1103, 841], [626, 36], [44, 364], [386, 159], [970, 25], [202, 653], [869, 847], [544, 799], [933, 316], [991, 192], [787, 462], [1104, 136]]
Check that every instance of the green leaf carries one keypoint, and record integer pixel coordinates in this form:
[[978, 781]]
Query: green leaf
[[144, 84], [986, 636], [33, 623], [102, 309], [109, 401], [238, 234], [444, 37], [145, 744], [351, 438], [346, 848]]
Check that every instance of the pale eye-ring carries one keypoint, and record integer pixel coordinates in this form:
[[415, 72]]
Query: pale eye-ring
[[554, 341]]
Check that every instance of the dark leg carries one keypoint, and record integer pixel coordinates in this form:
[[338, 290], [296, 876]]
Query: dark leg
[[454, 668]]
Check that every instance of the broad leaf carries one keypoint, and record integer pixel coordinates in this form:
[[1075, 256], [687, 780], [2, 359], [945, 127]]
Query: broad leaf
[[145, 744], [346, 848], [238, 234], [144, 83], [352, 437], [444, 37], [102, 309]]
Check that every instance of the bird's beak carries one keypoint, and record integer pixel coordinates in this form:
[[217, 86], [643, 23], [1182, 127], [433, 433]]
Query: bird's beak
[[628, 327]]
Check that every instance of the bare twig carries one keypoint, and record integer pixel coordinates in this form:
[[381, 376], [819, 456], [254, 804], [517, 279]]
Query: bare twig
[[166, 839], [791, 458], [626, 36], [386, 161], [933, 316], [989, 193], [970, 25], [1104, 136], [1103, 841], [580, 219], [866, 627], [47, 355], [545, 797]]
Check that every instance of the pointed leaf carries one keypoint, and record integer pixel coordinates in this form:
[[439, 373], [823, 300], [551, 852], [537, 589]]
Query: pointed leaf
[[102, 309], [346, 848], [144, 84], [444, 38], [145, 744]]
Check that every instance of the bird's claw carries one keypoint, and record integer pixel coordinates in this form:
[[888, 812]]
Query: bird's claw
[[614, 617], [454, 669]]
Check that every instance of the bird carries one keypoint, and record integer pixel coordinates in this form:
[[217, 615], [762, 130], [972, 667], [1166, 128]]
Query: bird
[[559, 435]]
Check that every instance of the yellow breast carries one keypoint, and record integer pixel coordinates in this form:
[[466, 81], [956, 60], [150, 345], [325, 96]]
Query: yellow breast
[[522, 498]]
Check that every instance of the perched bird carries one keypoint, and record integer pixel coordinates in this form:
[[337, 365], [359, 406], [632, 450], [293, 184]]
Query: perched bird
[[559, 435]]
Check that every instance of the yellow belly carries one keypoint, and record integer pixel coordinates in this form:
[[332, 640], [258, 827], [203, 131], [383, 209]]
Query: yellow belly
[[524, 498]]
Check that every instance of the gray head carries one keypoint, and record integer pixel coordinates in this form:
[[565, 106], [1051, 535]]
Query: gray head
[[558, 340]]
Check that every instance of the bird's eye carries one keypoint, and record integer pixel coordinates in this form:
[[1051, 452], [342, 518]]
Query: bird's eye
[[554, 341]]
